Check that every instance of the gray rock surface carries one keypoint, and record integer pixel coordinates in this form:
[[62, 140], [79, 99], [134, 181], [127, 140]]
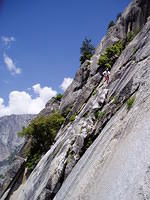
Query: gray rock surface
[[109, 143], [51, 106], [9, 127], [10, 143], [15, 170], [116, 166]]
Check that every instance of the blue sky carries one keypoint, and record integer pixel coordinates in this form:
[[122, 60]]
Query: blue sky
[[45, 39]]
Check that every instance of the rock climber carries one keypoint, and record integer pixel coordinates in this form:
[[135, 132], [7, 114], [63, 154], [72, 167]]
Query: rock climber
[[106, 74]]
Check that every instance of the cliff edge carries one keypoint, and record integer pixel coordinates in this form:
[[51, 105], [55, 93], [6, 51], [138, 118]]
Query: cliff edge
[[103, 153]]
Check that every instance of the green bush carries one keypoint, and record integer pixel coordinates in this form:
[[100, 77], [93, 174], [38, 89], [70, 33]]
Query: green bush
[[108, 66], [111, 24], [103, 60], [85, 57], [86, 114], [102, 114], [72, 118], [88, 63], [59, 97], [88, 143], [42, 132], [135, 50], [115, 49], [99, 114], [130, 102], [130, 36], [96, 114], [94, 92], [110, 55], [32, 160], [2, 176], [66, 112], [114, 99]]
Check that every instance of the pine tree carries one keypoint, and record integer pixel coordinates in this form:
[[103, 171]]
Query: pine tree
[[87, 50]]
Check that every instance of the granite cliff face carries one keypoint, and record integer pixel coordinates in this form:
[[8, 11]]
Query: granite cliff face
[[10, 143], [110, 136], [51, 106], [9, 127]]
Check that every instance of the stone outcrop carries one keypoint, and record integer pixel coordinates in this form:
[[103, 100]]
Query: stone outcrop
[[104, 152], [51, 106], [116, 166]]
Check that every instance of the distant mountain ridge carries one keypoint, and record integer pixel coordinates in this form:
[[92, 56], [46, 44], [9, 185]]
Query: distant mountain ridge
[[9, 140]]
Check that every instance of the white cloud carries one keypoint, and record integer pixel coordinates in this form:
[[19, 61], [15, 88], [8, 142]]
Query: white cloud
[[21, 102], [65, 84], [11, 65], [7, 40], [1, 103]]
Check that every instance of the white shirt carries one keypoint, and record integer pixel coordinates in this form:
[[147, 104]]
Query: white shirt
[[105, 73]]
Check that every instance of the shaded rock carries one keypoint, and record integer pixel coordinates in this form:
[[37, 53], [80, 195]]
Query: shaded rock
[[16, 168], [51, 106]]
